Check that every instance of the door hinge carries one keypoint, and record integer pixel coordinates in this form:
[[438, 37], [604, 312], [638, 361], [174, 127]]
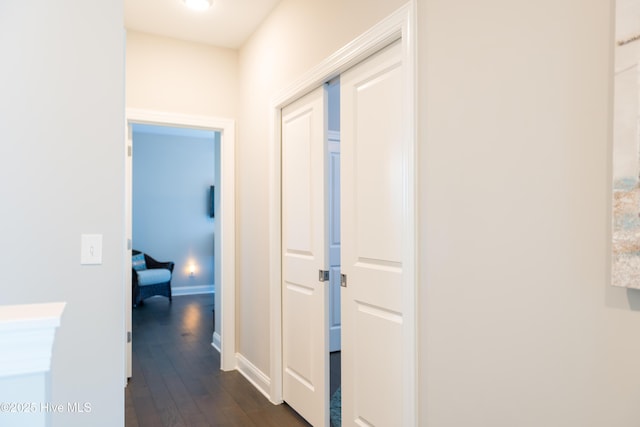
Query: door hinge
[[343, 280], [129, 244], [128, 337], [323, 275], [129, 150]]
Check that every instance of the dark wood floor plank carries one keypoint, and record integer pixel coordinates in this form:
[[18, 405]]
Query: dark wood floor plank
[[219, 413], [277, 416], [146, 413], [184, 401], [177, 379], [250, 399]]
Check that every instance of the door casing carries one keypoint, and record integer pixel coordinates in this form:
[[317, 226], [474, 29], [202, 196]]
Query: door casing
[[225, 222], [398, 26]]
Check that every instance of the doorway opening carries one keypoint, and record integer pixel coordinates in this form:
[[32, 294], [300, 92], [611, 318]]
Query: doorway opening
[[224, 244], [173, 171]]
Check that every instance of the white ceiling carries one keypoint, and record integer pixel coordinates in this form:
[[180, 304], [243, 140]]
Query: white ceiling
[[228, 23]]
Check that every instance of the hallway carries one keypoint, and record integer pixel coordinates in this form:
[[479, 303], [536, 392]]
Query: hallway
[[177, 379]]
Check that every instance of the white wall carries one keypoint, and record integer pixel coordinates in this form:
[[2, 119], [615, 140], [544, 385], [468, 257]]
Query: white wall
[[171, 75], [519, 326], [295, 37], [172, 172], [62, 174]]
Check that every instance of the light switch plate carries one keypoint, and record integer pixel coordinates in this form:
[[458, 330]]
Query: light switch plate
[[90, 249]]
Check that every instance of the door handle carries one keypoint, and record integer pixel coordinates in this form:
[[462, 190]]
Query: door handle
[[323, 275]]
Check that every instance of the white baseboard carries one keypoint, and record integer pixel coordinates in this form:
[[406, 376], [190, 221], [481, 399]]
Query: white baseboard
[[216, 342], [192, 290], [254, 375]]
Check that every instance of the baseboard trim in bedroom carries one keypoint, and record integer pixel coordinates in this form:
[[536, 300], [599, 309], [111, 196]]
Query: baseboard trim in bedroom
[[216, 342], [192, 290]]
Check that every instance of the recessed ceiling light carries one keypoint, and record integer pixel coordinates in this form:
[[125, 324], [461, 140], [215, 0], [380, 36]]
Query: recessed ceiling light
[[198, 4]]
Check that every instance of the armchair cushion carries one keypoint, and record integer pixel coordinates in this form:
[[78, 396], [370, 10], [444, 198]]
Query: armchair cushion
[[153, 276], [138, 263]]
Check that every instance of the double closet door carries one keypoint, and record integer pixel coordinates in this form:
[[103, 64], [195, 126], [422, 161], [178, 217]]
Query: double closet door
[[373, 203]]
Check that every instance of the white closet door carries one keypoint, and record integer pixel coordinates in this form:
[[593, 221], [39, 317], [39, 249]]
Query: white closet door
[[305, 336], [373, 173]]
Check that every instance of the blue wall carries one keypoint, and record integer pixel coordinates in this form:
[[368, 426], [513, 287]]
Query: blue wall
[[172, 172]]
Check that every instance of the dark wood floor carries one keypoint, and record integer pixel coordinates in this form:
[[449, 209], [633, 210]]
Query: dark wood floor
[[176, 373]]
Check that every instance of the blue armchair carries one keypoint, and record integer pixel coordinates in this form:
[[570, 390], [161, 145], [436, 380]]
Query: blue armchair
[[149, 277]]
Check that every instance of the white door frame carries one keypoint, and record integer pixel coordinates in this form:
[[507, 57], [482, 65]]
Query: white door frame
[[225, 236], [399, 25]]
